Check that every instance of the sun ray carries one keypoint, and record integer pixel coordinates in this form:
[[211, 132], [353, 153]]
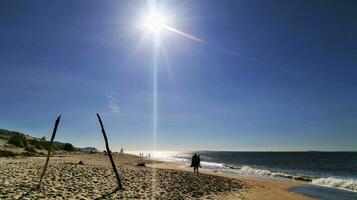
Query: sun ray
[[172, 29], [196, 39]]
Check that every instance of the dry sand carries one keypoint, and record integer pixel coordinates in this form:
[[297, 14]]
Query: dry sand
[[66, 179]]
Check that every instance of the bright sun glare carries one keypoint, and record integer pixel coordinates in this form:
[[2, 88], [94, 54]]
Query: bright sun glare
[[155, 22]]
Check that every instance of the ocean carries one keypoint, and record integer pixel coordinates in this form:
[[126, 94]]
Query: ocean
[[329, 169]]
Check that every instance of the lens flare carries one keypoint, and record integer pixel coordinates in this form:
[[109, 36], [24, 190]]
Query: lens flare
[[155, 22]]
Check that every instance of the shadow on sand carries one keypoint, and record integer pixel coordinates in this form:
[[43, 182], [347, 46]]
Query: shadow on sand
[[29, 192], [104, 196]]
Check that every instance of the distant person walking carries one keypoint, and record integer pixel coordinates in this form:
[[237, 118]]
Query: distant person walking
[[196, 162]]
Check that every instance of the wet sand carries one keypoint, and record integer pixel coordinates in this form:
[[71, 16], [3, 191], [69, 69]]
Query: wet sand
[[94, 179]]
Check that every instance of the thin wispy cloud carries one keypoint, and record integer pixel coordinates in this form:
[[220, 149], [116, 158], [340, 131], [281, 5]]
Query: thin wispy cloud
[[113, 103]]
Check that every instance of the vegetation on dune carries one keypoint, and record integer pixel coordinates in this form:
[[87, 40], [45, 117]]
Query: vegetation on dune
[[31, 145], [4, 153], [17, 140], [38, 144], [68, 147], [30, 149]]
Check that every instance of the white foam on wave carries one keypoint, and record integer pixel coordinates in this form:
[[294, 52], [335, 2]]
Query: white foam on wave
[[347, 184], [265, 172], [260, 172], [211, 164]]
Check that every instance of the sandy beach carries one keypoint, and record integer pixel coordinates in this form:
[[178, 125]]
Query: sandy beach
[[94, 179]]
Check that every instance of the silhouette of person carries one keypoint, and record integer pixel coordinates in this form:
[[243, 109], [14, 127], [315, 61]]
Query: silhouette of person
[[198, 162], [194, 162]]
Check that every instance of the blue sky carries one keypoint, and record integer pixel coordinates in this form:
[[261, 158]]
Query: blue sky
[[271, 75]]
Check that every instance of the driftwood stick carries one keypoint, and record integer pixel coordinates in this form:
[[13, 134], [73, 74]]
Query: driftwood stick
[[110, 153], [49, 149]]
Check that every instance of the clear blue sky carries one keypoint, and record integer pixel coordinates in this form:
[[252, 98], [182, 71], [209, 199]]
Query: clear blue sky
[[287, 79]]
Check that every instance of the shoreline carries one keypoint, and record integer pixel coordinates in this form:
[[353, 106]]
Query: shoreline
[[261, 188], [94, 179]]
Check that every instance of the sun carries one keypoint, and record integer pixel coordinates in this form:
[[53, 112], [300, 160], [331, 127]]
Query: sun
[[155, 22]]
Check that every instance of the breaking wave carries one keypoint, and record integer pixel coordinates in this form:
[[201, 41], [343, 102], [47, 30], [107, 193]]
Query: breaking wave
[[212, 164], [347, 184], [265, 172]]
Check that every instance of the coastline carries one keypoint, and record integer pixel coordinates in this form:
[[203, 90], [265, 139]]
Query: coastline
[[94, 179], [259, 188]]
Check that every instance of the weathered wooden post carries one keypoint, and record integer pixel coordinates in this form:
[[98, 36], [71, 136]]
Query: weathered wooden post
[[110, 153], [49, 149]]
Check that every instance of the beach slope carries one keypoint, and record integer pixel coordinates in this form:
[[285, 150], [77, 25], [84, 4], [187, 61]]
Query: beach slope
[[93, 178]]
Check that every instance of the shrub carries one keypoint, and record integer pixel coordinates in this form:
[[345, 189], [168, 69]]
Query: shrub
[[18, 140], [30, 148], [4, 153], [68, 147], [38, 144], [53, 149]]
